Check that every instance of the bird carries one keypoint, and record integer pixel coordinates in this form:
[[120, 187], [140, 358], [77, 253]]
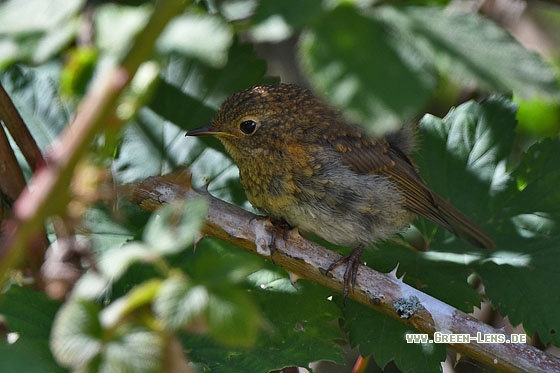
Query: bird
[[301, 162]]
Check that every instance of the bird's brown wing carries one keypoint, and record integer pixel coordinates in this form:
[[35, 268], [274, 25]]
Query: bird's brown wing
[[365, 155]]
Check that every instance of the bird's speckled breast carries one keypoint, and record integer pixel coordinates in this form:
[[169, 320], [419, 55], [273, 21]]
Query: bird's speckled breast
[[322, 196]]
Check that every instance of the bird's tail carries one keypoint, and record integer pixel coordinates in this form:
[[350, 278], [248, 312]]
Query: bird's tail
[[460, 225]]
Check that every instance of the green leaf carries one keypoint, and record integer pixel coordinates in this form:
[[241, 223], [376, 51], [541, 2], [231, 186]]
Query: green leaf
[[473, 50], [517, 280], [35, 93], [77, 334], [80, 342], [54, 41], [29, 16], [29, 315], [36, 30], [208, 86], [536, 182], [172, 228], [28, 312], [78, 71], [229, 311], [104, 232], [178, 302], [383, 87], [117, 25], [232, 317], [136, 299], [137, 349], [114, 263], [459, 158], [216, 263], [517, 277], [300, 330], [28, 355], [461, 153], [203, 36], [303, 323], [539, 117], [462, 159], [274, 21], [441, 272], [385, 338]]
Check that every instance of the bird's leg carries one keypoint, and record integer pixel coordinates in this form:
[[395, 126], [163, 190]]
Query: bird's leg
[[277, 225], [353, 263]]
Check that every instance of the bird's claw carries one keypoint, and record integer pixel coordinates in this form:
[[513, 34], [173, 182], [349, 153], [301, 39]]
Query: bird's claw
[[353, 263]]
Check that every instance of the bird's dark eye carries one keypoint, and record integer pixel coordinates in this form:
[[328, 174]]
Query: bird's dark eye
[[248, 127]]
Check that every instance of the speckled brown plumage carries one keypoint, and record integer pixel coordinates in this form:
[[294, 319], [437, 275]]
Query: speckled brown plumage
[[300, 161]]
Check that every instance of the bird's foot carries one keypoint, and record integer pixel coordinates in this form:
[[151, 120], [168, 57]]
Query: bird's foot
[[353, 263], [274, 227]]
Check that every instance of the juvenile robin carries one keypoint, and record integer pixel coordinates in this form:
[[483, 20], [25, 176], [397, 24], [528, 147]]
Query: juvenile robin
[[301, 162]]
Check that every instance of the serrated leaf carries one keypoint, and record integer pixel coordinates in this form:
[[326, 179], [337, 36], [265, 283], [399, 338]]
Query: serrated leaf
[[461, 152], [472, 49], [517, 280], [138, 349], [178, 302], [522, 207], [172, 228], [79, 341], [536, 181], [301, 330], [385, 338], [77, 334], [378, 88], [458, 158]]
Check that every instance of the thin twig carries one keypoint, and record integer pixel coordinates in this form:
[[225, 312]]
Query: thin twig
[[19, 131], [12, 180]]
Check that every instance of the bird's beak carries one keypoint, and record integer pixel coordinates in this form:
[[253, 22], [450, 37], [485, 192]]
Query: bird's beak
[[205, 131]]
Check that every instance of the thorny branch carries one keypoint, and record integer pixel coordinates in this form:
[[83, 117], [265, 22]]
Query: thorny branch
[[305, 259]]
